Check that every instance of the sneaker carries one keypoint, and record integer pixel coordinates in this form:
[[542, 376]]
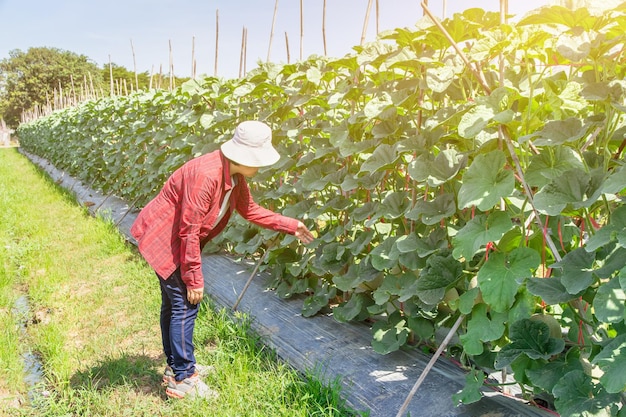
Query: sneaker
[[202, 370], [168, 375], [192, 387]]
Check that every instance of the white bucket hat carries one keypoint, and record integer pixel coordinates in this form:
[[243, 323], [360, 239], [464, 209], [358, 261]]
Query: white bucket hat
[[251, 145]]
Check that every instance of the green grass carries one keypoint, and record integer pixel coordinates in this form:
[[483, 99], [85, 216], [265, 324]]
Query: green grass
[[94, 306]]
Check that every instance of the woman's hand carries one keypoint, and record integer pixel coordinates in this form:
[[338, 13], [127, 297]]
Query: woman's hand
[[194, 296], [304, 234]]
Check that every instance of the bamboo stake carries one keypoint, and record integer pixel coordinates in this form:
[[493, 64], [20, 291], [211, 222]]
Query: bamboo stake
[[243, 42], [111, 75], [269, 48], [367, 18], [301, 29], [430, 365], [193, 57], [132, 48], [151, 76], [73, 89], [245, 53], [479, 75], [324, 27], [245, 287], [217, 36], [287, 46], [443, 14], [171, 67]]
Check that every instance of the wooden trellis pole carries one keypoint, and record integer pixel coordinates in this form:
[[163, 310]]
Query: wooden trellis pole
[[171, 67], [217, 36], [132, 48], [269, 48], [242, 56], [367, 18], [324, 27], [301, 29], [111, 75], [193, 57]]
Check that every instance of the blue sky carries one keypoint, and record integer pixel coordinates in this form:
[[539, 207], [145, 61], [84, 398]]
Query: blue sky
[[99, 29]]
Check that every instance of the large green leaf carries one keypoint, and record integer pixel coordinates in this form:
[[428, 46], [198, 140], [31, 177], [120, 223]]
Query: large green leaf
[[471, 392], [615, 230], [356, 275], [576, 269], [439, 169], [354, 309], [558, 132], [612, 361], [401, 287], [389, 336], [439, 274], [574, 187], [500, 277], [486, 181], [482, 327], [384, 156], [479, 231], [433, 211], [550, 290], [609, 302], [551, 163], [577, 396], [530, 338], [475, 120]]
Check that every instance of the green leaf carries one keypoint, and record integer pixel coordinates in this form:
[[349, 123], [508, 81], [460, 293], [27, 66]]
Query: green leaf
[[609, 302], [475, 120], [384, 156], [389, 336], [440, 273], [615, 230], [401, 287], [471, 392], [577, 396], [530, 338], [439, 79], [395, 204], [479, 231], [612, 361], [439, 169], [384, 256], [558, 132], [377, 105], [573, 187], [500, 276], [433, 211], [550, 290], [577, 272], [486, 181], [547, 376], [550, 164], [356, 275], [313, 304], [354, 309], [482, 327]]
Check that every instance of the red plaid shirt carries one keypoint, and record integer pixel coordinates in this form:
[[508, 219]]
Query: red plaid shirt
[[172, 229]]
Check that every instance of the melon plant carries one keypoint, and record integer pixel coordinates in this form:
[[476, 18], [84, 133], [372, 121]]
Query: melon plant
[[485, 180]]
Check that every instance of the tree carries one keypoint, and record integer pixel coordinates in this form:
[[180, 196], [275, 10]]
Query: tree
[[30, 78]]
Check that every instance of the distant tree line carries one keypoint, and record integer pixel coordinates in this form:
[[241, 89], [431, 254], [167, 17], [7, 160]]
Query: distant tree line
[[45, 77]]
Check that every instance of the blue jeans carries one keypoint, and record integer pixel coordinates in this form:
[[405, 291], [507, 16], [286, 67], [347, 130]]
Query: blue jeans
[[178, 318]]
